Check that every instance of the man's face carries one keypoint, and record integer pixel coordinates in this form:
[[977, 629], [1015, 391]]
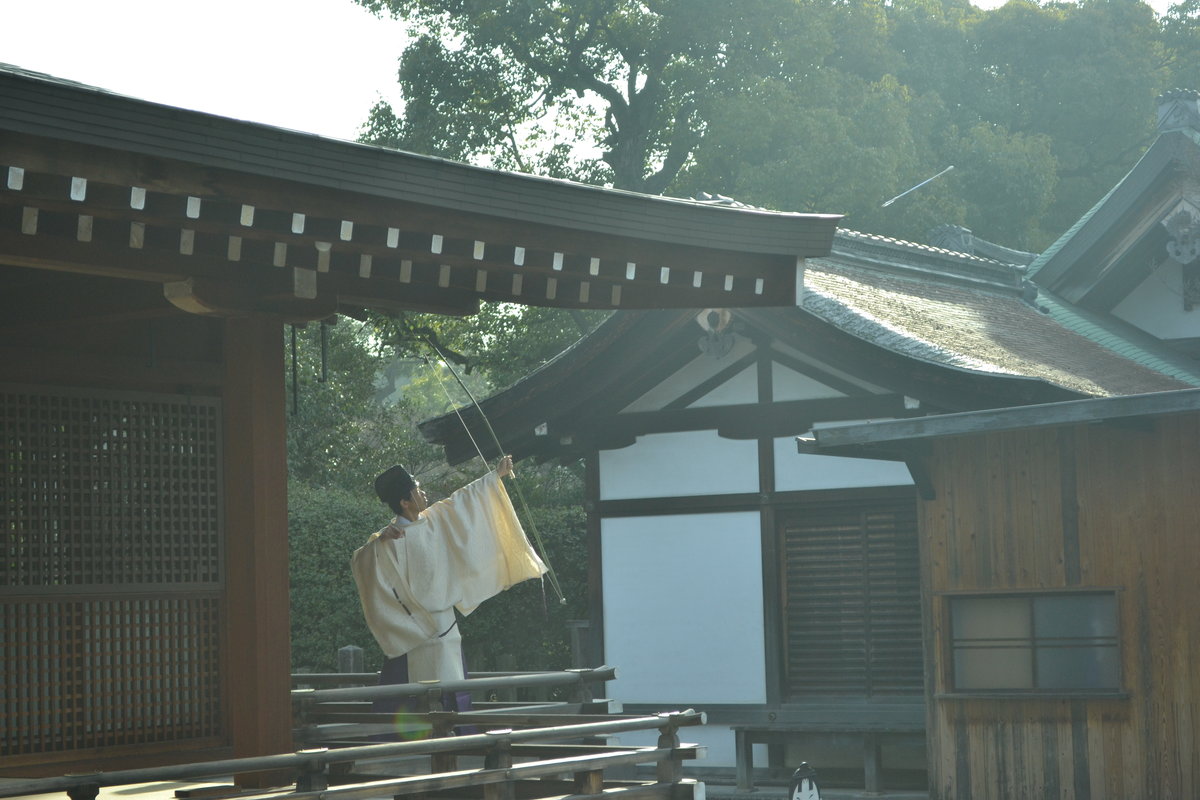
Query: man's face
[[416, 502]]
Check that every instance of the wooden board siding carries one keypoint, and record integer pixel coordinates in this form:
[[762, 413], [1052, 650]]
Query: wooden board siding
[[1102, 506]]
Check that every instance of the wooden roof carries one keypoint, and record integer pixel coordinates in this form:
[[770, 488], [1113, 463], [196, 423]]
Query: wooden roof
[[233, 216], [1108, 252], [952, 330], [894, 439]]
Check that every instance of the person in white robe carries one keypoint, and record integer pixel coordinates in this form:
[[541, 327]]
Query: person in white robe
[[431, 561]]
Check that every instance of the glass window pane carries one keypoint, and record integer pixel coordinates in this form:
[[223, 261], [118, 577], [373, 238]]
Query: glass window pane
[[993, 668], [1075, 615], [990, 618], [1078, 667]]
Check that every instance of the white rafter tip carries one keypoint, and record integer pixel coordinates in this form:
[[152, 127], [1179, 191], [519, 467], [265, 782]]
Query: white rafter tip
[[758, 285], [137, 198], [630, 270], [435, 244], [16, 178], [729, 283], [347, 231], [558, 261], [478, 253], [393, 238], [193, 208], [697, 279], [594, 266], [664, 275], [519, 256], [78, 189], [297, 223], [247, 216]]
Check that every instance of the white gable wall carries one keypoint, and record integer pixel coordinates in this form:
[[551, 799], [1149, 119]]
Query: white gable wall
[[682, 592], [683, 608], [679, 465], [787, 384], [799, 472], [1156, 305], [695, 372]]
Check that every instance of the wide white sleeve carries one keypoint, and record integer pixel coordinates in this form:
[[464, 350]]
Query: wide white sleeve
[[468, 547]]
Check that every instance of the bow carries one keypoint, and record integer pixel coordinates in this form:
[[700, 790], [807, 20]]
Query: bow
[[537, 537]]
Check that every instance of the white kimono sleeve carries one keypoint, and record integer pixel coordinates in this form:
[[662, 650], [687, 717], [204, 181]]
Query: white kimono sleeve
[[467, 548]]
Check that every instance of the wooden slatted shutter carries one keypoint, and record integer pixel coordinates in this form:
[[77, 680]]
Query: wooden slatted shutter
[[852, 616], [112, 572]]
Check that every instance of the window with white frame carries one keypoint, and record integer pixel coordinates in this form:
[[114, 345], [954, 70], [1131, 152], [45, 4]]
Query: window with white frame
[[1051, 643]]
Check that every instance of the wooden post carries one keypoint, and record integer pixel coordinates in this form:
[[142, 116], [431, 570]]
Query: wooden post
[[499, 756], [257, 647], [670, 770]]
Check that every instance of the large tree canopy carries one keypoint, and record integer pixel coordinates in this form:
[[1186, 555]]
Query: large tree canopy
[[524, 82], [822, 105]]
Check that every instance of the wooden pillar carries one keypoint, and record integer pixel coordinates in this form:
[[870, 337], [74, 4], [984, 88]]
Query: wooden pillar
[[257, 648]]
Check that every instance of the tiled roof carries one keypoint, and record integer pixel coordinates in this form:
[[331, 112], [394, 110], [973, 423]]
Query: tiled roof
[[978, 330]]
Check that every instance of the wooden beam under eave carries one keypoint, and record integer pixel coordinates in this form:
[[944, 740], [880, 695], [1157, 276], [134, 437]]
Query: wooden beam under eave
[[42, 365]]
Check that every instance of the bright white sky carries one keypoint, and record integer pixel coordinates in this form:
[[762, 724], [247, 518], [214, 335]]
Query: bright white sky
[[310, 65]]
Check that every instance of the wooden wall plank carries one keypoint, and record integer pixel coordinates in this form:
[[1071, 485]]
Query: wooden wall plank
[[997, 522]]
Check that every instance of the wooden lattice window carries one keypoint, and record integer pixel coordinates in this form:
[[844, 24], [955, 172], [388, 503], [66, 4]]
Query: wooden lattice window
[[852, 614], [112, 571]]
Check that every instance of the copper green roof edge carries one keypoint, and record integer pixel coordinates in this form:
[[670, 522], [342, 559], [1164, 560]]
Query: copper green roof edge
[[1048, 254], [1073, 320]]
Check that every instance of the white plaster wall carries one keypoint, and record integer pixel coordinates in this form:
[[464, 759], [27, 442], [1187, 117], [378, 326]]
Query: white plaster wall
[[741, 388], [717, 738], [797, 472], [695, 372], [679, 465], [787, 384], [1156, 305], [683, 608]]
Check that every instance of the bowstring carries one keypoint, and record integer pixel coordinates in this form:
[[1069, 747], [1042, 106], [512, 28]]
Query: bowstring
[[537, 536], [457, 413]]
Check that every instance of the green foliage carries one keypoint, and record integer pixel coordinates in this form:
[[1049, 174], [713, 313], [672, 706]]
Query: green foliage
[[325, 526], [817, 105], [497, 346], [526, 625], [483, 76], [360, 418]]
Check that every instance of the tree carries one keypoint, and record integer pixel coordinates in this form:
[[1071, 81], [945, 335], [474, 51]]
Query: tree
[[1083, 75], [633, 79]]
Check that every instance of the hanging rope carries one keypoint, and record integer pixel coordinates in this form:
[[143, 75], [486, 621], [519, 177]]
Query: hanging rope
[[537, 537]]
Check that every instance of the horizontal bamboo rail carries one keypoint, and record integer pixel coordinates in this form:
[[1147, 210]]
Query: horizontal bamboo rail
[[310, 765], [571, 677]]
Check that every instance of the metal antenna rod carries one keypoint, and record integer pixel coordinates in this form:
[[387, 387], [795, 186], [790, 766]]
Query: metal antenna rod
[[918, 186]]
